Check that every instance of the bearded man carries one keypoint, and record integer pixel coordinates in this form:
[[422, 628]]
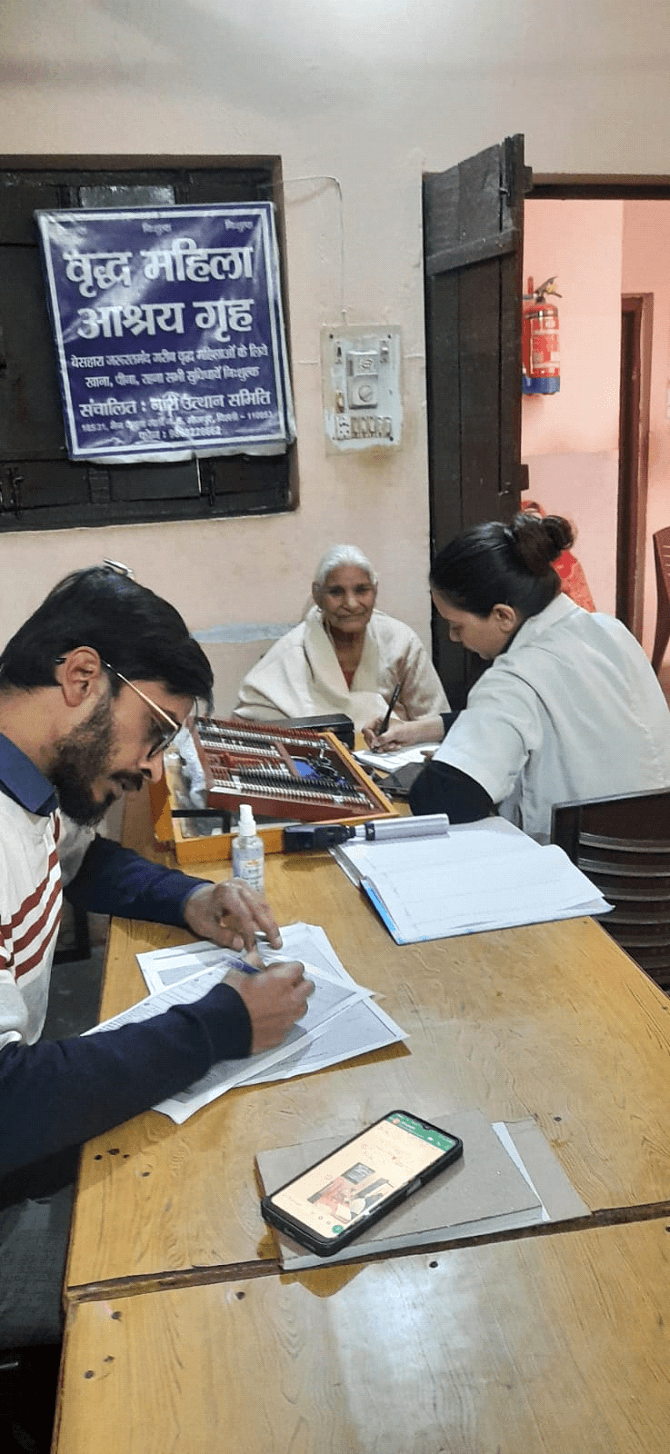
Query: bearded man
[[93, 687]]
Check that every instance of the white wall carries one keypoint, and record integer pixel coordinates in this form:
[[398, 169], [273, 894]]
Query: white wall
[[373, 95]]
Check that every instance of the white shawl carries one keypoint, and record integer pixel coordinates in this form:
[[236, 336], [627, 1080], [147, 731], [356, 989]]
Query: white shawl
[[300, 676]]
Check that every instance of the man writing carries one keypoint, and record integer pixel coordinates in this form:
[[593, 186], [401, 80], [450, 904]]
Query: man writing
[[92, 688]]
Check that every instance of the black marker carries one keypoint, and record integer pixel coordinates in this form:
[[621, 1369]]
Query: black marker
[[386, 720]]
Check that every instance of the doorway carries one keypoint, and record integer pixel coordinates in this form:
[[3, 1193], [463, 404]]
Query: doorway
[[610, 470], [474, 220]]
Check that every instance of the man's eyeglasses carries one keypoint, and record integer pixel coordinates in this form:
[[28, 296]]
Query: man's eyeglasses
[[169, 728]]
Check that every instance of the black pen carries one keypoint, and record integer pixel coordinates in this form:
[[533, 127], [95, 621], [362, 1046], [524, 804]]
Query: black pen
[[385, 722]]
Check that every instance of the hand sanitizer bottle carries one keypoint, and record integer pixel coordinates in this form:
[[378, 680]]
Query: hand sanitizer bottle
[[249, 851]]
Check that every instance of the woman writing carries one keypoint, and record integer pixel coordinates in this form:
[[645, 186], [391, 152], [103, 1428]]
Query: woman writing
[[345, 656], [570, 707]]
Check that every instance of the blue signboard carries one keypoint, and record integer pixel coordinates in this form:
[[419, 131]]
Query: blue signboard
[[169, 331]]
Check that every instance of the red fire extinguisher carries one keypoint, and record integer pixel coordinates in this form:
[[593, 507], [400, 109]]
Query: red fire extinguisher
[[541, 358]]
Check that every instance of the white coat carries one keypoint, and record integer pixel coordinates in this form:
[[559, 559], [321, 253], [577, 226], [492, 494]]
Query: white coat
[[571, 710]]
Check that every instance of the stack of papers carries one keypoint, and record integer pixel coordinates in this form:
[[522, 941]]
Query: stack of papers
[[342, 1019], [486, 875]]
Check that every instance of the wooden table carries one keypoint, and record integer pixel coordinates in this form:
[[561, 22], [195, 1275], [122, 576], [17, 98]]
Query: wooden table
[[552, 1021], [556, 1344]]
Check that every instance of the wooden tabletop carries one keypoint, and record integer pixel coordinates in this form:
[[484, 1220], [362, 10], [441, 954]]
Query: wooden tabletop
[[550, 1020], [556, 1344]]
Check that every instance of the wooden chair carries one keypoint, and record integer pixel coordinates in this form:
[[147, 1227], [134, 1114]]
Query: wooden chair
[[623, 846], [28, 1380], [77, 945], [662, 563]]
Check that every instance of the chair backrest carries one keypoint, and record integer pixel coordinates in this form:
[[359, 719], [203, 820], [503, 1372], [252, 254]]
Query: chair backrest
[[623, 846], [662, 561]]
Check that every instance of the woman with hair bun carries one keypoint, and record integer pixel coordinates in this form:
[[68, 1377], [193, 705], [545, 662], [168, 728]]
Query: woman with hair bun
[[570, 707], [345, 656], [567, 567]]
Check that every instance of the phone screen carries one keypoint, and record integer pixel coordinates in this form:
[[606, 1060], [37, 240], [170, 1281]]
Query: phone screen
[[338, 1192]]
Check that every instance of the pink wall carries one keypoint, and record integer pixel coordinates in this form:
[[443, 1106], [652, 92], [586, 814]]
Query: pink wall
[[570, 439], [581, 242], [646, 269]]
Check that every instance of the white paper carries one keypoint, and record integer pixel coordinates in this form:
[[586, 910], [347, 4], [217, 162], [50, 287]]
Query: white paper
[[503, 1135], [156, 1004], [391, 761], [306, 942], [464, 845], [361, 1026], [341, 1020], [228, 1072], [485, 875]]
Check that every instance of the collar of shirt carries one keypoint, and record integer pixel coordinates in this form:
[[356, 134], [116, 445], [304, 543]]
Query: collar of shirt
[[22, 781], [556, 611]]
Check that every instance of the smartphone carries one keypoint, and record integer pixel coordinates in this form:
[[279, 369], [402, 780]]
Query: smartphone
[[344, 1193]]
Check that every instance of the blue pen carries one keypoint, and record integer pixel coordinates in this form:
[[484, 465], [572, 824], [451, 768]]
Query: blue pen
[[242, 964]]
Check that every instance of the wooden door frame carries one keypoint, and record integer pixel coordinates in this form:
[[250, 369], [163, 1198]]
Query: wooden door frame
[[606, 186], [634, 406], [473, 257]]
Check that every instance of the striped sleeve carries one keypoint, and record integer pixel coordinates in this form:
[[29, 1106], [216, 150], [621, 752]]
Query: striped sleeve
[[30, 910]]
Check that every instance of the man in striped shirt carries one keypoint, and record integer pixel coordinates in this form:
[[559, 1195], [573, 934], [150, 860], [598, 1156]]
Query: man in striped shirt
[[92, 689]]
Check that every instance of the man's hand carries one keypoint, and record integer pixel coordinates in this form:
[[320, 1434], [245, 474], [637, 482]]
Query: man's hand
[[403, 734], [230, 914], [274, 999]]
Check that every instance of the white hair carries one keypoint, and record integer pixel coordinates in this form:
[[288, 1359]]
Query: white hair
[[342, 555]]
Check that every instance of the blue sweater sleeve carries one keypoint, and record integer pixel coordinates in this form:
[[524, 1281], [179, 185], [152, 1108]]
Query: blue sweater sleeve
[[57, 1094], [115, 880]]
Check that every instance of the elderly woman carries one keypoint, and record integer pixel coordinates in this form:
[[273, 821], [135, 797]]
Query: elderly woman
[[345, 656]]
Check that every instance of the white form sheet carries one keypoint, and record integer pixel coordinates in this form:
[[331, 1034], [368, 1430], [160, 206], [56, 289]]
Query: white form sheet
[[356, 1029], [307, 942], [391, 761], [341, 1021], [185, 993]]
